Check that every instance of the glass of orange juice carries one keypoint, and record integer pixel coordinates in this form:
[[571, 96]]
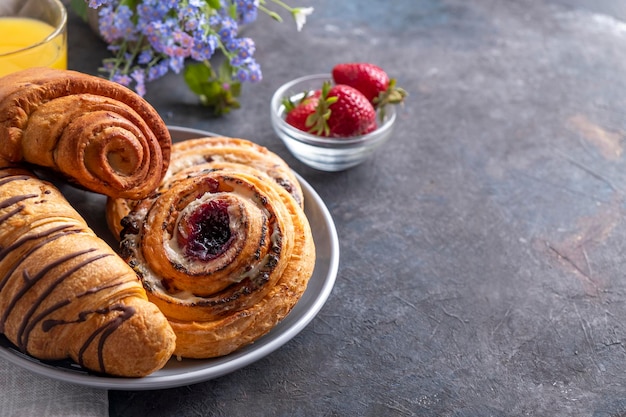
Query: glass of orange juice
[[33, 33]]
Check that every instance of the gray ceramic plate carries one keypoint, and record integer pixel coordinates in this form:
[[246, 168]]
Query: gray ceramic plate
[[184, 372]]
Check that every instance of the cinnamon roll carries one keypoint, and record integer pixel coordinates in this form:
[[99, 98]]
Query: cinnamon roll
[[225, 252], [97, 133]]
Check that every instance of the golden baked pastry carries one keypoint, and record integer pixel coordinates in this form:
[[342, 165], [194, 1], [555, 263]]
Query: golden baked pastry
[[215, 152], [64, 293], [224, 251], [95, 132]]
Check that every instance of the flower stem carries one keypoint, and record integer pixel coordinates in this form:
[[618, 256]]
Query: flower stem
[[134, 52], [283, 5], [270, 13]]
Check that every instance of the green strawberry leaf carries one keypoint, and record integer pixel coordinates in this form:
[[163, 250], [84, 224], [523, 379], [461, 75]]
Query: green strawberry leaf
[[318, 121], [393, 95]]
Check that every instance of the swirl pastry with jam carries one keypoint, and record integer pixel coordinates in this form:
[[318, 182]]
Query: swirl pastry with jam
[[96, 133], [64, 293], [223, 249]]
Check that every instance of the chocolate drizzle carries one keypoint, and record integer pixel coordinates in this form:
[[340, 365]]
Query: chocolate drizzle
[[5, 179], [125, 313], [16, 199], [8, 178], [25, 327], [51, 275], [28, 282], [44, 237], [12, 201]]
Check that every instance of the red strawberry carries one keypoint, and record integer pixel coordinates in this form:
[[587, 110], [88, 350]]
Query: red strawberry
[[371, 80], [297, 113], [342, 111], [352, 114], [333, 111]]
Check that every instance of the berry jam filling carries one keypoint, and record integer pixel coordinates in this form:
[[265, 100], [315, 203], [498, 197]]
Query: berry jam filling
[[205, 234]]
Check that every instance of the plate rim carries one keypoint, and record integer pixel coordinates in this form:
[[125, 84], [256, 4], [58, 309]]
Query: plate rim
[[227, 364]]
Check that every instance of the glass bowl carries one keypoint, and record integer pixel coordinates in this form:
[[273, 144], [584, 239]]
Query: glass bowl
[[323, 153]]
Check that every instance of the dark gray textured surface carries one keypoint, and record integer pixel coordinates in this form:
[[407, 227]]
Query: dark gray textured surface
[[482, 265]]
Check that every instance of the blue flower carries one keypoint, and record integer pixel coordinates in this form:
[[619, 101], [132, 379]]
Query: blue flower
[[228, 29], [145, 56], [246, 48], [242, 74], [94, 4], [158, 70], [149, 38], [176, 64], [247, 10], [254, 72], [121, 78], [202, 51], [139, 76], [118, 25]]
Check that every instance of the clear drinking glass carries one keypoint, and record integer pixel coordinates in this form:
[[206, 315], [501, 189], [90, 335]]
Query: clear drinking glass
[[33, 33]]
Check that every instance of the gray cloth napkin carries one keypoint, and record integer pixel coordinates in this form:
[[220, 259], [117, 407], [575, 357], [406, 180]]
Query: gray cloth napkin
[[25, 394]]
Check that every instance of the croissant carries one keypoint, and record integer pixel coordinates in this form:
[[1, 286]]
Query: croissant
[[97, 133], [64, 293], [215, 152], [225, 253]]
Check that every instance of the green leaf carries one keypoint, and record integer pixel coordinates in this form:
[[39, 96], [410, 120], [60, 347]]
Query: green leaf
[[211, 93], [195, 75], [226, 71], [80, 8], [232, 11], [235, 88], [215, 4], [218, 93]]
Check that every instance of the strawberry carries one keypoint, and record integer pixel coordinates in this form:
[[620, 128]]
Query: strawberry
[[333, 111], [371, 80], [342, 111], [352, 114], [297, 113]]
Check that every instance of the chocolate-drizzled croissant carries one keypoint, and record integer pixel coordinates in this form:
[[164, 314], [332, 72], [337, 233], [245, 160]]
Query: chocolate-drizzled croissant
[[64, 293], [95, 132]]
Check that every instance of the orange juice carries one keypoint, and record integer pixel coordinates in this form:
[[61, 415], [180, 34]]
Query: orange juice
[[17, 37]]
